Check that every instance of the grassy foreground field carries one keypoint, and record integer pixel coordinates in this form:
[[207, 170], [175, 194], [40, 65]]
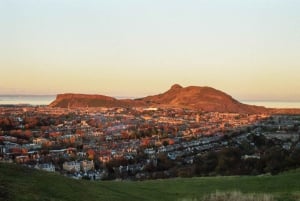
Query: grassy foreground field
[[19, 183]]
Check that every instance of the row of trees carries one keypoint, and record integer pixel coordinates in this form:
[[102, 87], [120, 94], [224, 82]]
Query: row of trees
[[230, 162]]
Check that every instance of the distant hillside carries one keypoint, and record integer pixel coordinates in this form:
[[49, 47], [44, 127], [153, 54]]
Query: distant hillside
[[86, 100], [23, 184], [200, 98]]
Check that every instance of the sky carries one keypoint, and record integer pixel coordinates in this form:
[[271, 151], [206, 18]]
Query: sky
[[249, 49]]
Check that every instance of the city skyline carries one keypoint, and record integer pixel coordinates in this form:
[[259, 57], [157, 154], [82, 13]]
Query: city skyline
[[130, 48]]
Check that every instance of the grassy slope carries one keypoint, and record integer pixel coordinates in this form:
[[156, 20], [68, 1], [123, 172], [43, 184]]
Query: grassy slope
[[18, 183]]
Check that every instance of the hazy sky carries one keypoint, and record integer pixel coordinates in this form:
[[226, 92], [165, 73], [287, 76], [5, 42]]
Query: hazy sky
[[247, 48]]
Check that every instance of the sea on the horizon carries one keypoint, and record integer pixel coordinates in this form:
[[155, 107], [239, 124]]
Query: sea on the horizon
[[47, 99], [275, 104], [26, 99]]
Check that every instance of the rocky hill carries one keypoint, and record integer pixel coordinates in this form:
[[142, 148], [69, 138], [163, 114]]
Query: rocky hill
[[193, 97], [201, 98], [86, 100]]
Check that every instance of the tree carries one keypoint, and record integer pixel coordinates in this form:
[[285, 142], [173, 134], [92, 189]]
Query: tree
[[163, 162], [28, 134], [229, 160], [275, 160], [165, 143], [206, 164]]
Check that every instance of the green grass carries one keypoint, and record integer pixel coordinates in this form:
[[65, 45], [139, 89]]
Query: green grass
[[18, 183], [237, 196]]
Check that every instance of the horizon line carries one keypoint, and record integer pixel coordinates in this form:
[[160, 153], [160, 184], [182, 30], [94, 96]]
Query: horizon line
[[135, 97]]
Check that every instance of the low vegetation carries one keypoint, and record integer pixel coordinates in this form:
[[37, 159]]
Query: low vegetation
[[237, 196], [19, 183], [234, 196]]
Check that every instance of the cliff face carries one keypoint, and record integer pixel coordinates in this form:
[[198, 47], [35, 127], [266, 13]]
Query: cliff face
[[193, 97]]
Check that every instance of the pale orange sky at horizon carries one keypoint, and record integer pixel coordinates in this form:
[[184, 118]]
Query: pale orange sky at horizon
[[248, 49]]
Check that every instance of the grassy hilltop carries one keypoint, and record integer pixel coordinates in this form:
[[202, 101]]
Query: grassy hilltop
[[19, 183]]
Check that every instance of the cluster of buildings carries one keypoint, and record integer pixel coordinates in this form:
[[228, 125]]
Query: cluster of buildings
[[82, 142]]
